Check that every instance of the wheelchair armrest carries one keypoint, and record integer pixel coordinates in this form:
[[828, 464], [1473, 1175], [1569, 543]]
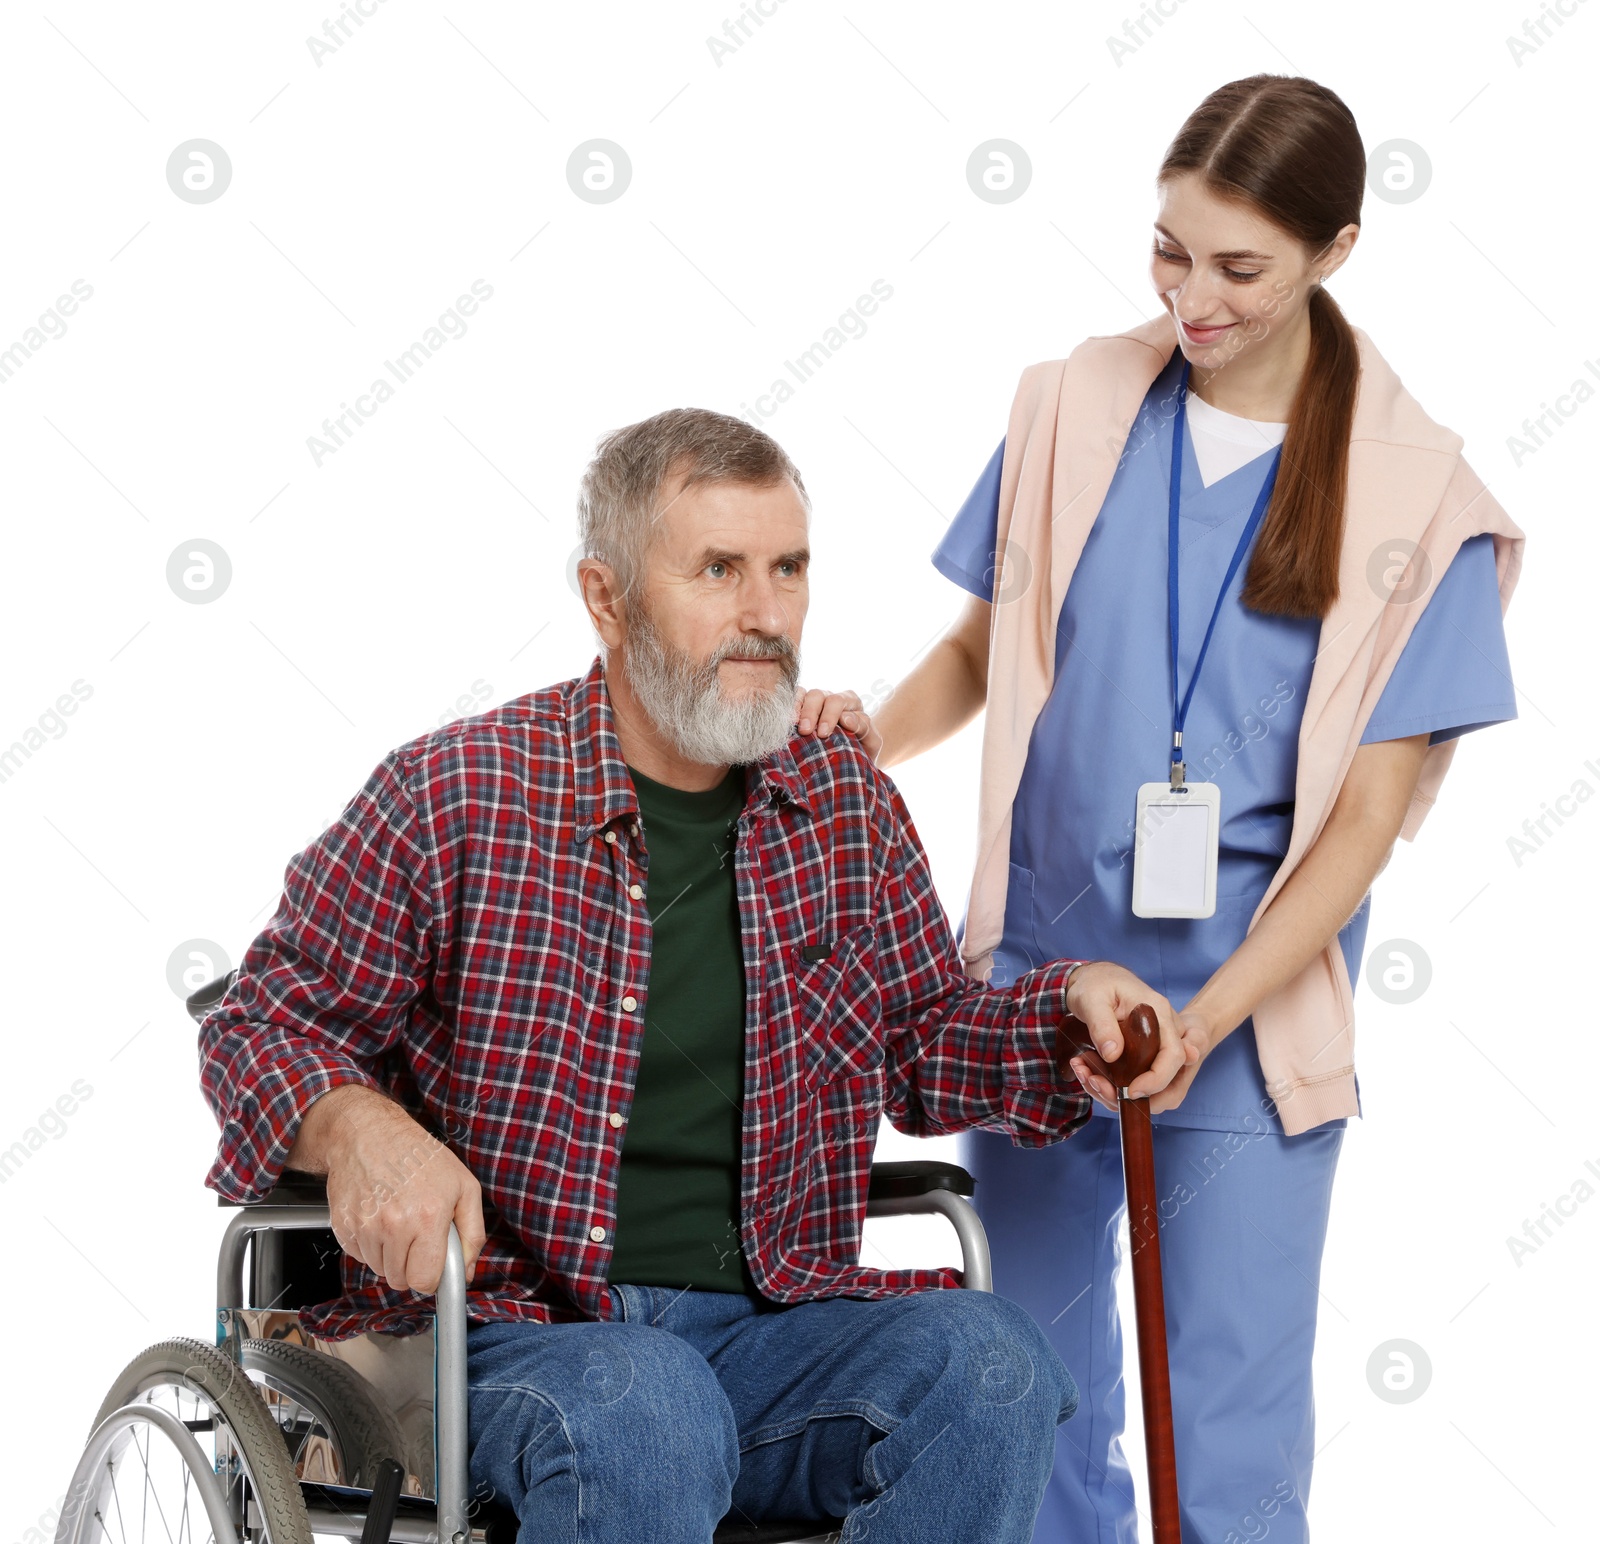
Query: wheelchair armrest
[[201, 1001], [897, 1181], [294, 1188], [922, 1187]]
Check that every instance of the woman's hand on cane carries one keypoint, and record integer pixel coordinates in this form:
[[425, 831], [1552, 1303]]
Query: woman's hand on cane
[[1199, 1041]]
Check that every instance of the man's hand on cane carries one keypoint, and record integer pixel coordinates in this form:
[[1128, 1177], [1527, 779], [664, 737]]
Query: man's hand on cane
[[1100, 993]]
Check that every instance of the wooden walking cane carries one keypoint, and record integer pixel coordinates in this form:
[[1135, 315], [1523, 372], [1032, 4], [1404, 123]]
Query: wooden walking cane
[[1141, 1040]]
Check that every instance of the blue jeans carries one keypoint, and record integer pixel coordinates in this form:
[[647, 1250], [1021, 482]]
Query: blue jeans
[[929, 1417]]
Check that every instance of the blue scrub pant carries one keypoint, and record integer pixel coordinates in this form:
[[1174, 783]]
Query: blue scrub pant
[[1243, 1219]]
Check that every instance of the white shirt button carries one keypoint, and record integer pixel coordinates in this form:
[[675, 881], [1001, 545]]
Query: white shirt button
[[630, 1003], [598, 1234], [615, 1119], [636, 891], [611, 836]]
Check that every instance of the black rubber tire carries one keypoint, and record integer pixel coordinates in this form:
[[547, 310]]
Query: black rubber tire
[[362, 1432], [193, 1365]]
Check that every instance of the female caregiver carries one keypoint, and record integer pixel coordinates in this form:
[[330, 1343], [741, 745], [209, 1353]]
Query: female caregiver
[[1247, 476]]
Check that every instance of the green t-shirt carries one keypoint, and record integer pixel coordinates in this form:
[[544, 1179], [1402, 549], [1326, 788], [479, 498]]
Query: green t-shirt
[[678, 1187]]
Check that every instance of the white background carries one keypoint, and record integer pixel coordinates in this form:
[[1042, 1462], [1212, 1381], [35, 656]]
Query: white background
[[426, 561]]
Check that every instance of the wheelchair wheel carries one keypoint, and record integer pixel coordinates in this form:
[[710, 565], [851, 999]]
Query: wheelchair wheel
[[330, 1417], [183, 1448]]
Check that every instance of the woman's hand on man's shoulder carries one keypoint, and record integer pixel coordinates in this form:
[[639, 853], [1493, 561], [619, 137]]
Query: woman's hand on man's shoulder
[[820, 712]]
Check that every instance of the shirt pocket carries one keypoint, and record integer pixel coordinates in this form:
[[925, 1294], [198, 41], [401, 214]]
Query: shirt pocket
[[838, 1007], [1021, 928]]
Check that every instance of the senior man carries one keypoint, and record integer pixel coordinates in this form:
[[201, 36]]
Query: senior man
[[619, 977]]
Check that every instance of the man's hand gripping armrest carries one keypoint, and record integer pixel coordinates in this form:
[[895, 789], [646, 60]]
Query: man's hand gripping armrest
[[393, 1188]]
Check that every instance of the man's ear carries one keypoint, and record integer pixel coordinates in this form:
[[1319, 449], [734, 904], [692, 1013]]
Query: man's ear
[[601, 594]]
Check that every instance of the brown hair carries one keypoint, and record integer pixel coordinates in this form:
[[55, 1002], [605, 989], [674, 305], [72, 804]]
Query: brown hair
[[1290, 150], [617, 497]]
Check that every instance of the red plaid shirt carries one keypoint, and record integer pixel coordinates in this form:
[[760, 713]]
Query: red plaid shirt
[[467, 938]]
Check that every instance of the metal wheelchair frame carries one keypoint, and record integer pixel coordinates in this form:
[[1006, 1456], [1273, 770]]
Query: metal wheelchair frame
[[896, 1189]]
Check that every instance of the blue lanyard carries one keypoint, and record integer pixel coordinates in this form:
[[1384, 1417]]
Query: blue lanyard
[[1180, 709]]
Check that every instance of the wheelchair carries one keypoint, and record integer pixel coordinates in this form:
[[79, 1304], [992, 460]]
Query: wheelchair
[[267, 1436]]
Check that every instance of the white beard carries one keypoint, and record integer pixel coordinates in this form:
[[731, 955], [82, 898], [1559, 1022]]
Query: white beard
[[686, 704]]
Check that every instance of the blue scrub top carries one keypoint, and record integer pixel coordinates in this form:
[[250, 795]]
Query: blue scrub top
[[1107, 727]]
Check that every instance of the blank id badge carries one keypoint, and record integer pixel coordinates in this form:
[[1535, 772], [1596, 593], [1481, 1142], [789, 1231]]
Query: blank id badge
[[1175, 838]]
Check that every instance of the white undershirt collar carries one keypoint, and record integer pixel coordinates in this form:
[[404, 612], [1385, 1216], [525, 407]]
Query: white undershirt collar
[[1223, 442]]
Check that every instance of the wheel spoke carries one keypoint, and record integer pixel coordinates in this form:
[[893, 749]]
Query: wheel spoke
[[185, 1524], [150, 1490], [111, 1481]]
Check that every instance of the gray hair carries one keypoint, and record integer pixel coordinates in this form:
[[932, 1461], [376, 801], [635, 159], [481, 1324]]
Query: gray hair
[[617, 497]]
